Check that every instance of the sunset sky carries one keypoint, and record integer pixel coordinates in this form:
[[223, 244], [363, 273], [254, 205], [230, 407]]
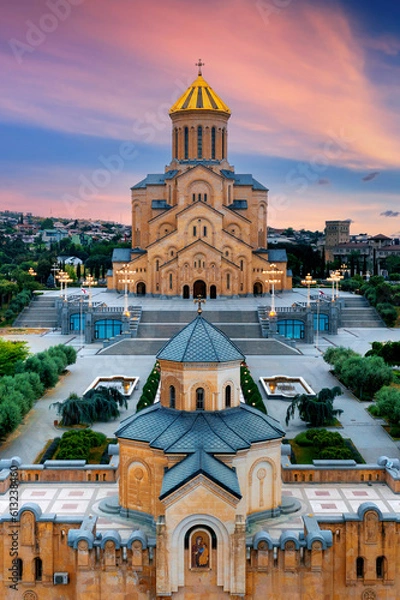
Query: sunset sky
[[313, 86]]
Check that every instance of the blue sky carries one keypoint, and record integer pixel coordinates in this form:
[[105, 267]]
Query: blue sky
[[313, 88]]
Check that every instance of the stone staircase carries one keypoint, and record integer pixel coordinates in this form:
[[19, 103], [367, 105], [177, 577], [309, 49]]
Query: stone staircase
[[41, 312], [356, 312], [242, 327]]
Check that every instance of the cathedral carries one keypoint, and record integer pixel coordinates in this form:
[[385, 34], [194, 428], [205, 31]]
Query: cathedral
[[199, 229]]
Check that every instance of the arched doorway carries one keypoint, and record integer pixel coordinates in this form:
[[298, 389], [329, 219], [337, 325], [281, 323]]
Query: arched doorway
[[186, 292], [213, 292], [199, 289], [141, 289], [257, 289]]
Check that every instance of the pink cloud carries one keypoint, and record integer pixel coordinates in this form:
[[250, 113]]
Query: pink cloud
[[296, 83]]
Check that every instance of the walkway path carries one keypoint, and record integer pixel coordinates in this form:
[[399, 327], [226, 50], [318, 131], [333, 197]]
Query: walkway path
[[367, 433]]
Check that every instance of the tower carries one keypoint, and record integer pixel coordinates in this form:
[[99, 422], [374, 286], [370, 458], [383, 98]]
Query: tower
[[199, 228]]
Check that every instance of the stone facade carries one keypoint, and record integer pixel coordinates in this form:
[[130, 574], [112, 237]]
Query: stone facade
[[352, 556], [199, 228]]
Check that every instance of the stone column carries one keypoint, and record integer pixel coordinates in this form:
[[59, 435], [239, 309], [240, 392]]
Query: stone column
[[162, 555], [238, 565], [309, 327]]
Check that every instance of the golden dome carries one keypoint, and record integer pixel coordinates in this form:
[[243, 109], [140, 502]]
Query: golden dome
[[200, 96]]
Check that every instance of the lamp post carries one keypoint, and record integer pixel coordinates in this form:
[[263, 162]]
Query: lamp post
[[89, 282], [273, 274], [338, 277], [60, 276], [124, 277], [332, 279], [64, 278], [32, 272], [308, 281]]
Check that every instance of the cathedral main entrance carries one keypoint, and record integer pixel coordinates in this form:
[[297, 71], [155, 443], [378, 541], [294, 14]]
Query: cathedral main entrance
[[199, 289]]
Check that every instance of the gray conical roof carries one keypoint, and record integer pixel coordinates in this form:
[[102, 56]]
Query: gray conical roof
[[200, 341]]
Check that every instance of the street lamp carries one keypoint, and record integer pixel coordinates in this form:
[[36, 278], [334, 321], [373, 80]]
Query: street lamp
[[334, 279], [338, 277], [273, 274], [60, 276], [308, 281], [89, 282], [64, 278], [125, 272], [32, 272]]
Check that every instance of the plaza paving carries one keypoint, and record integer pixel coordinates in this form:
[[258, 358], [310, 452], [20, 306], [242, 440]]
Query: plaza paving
[[367, 433]]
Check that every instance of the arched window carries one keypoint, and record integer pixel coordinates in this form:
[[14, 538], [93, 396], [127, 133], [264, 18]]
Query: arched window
[[176, 144], [200, 399], [157, 265], [194, 230], [228, 396], [213, 143], [205, 231], [172, 396], [205, 197], [228, 281], [19, 571], [199, 142], [170, 281], [186, 143], [241, 265], [380, 567], [360, 566], [194, 197], [38, 568], [223, 143]]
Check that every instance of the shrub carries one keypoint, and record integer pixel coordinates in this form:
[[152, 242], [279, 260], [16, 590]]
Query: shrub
[[250, 390], [51, 450], [76, 445], [388, 313], [303, 440], [335, 453], [150, 388]]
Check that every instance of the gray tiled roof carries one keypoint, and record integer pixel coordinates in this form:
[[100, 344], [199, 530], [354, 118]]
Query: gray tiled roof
[[200, 434], [200, 341], [217, 432], [243, 179], [121, 255], [200, 463], [155, 179], [277, 255]]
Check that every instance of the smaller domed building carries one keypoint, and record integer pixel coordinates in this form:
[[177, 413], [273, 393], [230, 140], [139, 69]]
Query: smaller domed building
[[201, 463]]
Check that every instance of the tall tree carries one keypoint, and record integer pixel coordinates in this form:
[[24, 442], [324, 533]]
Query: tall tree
[[317, 410]]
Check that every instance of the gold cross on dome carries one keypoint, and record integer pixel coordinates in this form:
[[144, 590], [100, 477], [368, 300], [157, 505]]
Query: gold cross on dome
[[199, 300], [200, 64]]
